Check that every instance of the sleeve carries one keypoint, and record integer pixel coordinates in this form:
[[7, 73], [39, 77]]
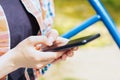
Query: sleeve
[[4, 33]]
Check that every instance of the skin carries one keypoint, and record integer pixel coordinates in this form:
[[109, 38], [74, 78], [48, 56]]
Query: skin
[[28, 53]]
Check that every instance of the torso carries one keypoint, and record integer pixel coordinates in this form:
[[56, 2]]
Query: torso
[[18, 20], [21, 26]]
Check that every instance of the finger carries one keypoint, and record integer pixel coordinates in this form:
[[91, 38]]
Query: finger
[[61, 41], [39, 66], [76, 48], [52, 35], [70, 53], [57, 60], [34, 40], [64, 56], [46, 56], [42, 65], [38, 47]]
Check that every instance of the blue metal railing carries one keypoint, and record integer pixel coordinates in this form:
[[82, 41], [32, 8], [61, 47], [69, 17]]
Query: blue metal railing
[[102, 15]]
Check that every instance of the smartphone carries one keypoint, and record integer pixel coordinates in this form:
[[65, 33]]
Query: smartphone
[[75, 43]]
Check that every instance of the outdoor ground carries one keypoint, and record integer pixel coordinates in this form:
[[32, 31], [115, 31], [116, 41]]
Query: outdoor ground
[[88, 64]]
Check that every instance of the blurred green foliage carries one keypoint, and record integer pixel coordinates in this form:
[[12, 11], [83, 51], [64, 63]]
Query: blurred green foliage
[[81, 9], [114, 3], [113, 7]]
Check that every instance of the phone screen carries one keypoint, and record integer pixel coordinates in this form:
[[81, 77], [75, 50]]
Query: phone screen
[[75, 43]]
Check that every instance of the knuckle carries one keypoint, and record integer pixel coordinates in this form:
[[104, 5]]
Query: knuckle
[[39, 66], [55, 31]]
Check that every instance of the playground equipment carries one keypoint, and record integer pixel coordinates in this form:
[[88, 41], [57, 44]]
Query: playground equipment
[[101, 15]]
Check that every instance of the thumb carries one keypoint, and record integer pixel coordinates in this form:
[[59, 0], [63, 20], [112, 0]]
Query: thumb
[[52, 35], [34, 40]]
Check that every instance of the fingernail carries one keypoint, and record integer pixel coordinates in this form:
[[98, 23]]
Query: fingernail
[[50, 41]]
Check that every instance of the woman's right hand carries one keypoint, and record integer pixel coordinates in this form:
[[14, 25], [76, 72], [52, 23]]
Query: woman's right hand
[[28, 54], [25, 53]]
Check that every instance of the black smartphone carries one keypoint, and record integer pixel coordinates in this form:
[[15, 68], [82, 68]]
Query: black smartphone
[[74, 43]]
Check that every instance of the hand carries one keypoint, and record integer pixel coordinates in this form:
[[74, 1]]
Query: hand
[[59, 41], [28, 53], [25, 53], [66, 53]]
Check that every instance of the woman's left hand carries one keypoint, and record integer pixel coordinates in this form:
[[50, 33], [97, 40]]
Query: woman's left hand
[[66, 53], [59, 41]]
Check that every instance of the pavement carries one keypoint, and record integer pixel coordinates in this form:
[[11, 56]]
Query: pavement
[[89, 64], [97, 63]]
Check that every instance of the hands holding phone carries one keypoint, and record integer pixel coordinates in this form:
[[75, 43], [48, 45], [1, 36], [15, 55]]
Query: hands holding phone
[[28, 53], [30, 50]]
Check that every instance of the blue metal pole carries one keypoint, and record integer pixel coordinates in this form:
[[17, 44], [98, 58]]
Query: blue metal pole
[[81, 27], [107, 20]]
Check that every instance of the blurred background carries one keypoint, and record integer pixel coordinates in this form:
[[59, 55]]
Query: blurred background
[[98, 60]]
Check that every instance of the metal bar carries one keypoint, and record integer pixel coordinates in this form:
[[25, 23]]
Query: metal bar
[[81, 27], [107, 20]]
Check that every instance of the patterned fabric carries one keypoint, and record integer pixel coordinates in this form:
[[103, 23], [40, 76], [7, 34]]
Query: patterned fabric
[[4, 34], [44, 13]]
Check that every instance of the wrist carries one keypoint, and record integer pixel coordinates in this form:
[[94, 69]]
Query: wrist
[[7, 63], [12, 59]]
